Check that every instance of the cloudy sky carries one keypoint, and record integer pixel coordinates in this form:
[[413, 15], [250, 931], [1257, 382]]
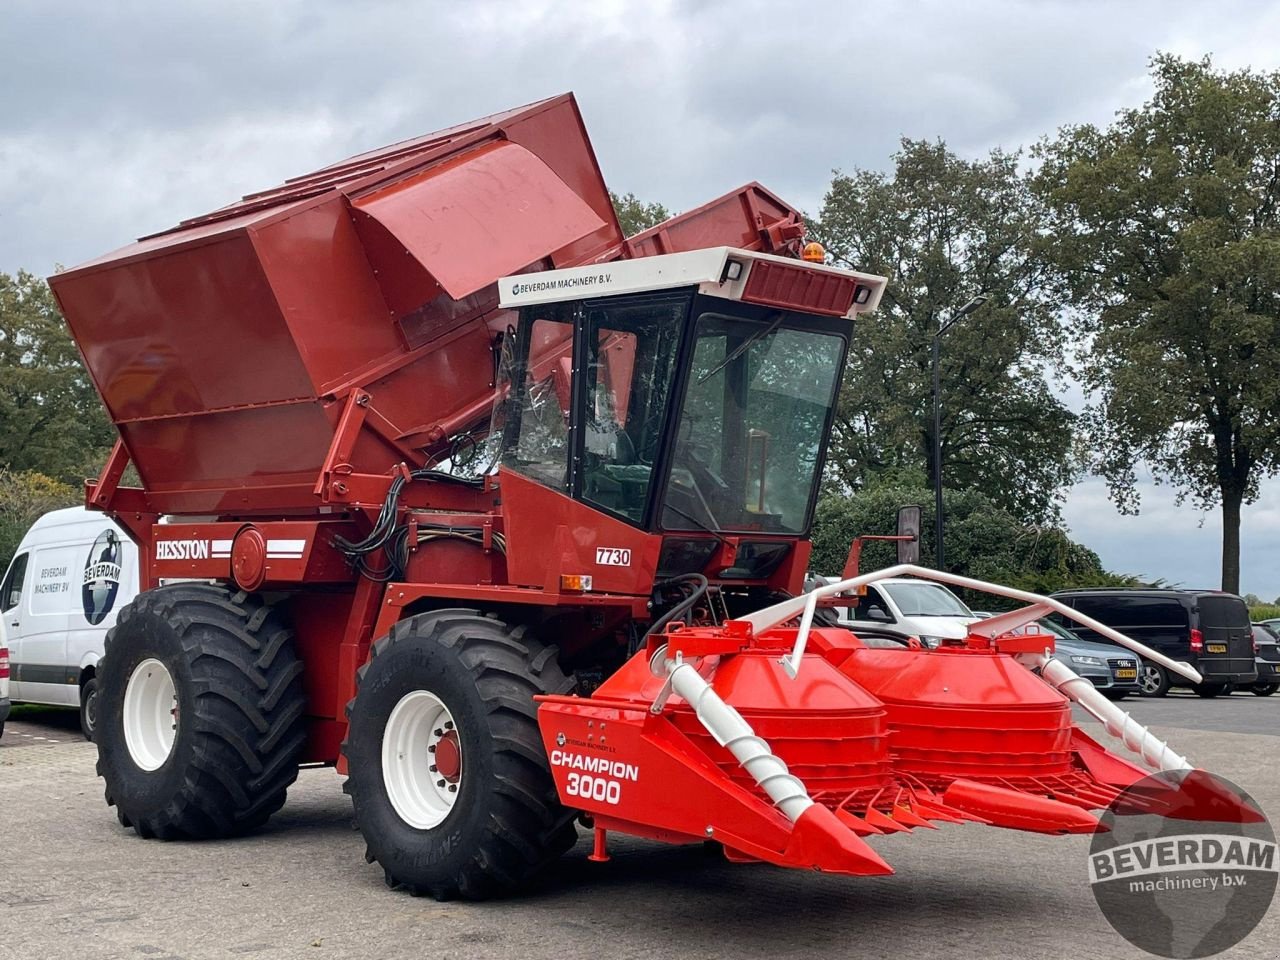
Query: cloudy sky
[[122, 118]]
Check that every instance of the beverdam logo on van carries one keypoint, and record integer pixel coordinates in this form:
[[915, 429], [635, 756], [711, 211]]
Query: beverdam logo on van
[[101, 580]]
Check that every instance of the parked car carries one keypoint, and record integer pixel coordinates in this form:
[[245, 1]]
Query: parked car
[[1207, 629], [1110, 668], [909, 607], [1267, 649], [1272, 625], [73, 572]]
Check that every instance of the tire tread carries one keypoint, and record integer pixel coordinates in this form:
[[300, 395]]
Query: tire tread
[[247, 712]]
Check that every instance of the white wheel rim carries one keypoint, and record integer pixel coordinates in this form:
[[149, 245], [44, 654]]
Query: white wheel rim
[[419, 791], [150, 714]]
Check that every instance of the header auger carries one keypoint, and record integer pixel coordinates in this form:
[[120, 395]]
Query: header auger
[[505, 515]]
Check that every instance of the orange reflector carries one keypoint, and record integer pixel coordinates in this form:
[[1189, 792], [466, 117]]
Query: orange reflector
[[579, 582], [814, 253]]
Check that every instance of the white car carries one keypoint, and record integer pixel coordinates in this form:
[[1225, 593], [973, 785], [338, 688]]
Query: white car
[[73, 572], [913, 608]]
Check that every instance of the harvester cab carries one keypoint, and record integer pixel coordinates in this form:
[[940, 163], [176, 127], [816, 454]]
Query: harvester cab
[[505, 515], [688, 396]]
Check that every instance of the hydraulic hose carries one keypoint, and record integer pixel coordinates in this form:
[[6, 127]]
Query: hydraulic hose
[[684, 606]]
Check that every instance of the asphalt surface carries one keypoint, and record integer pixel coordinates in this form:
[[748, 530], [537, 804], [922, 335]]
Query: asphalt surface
[[74, 884]]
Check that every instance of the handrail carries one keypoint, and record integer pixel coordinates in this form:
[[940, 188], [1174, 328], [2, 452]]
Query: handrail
[[807, 604]]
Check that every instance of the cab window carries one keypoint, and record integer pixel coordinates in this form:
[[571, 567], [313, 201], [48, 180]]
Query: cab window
[[11, 589], [629, 370], [872, 607]]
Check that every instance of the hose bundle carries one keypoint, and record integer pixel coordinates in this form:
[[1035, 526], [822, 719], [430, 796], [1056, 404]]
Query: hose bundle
[[392, 537]]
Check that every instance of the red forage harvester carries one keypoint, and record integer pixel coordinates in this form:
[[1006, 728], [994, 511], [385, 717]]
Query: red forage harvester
[[449, 484]]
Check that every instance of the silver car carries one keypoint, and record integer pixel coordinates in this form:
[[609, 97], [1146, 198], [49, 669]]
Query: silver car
[[1110, 668]]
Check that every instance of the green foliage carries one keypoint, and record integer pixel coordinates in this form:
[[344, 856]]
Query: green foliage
[[51, 419], [24, 497], [636, 216], [1166, 234], [983, 540], [943, 229], [1264, 611]]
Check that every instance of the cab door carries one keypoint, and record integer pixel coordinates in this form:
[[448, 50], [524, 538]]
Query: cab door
[[11, 595]]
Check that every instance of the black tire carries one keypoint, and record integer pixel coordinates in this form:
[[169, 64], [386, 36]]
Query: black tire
[[1264, 689], [1153, 680], [507, 823], [240, 721], [1209, 690], [89, 707]]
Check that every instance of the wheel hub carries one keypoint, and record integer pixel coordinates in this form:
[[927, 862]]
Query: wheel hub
[[150, 714], [421, 759], [448, 757]]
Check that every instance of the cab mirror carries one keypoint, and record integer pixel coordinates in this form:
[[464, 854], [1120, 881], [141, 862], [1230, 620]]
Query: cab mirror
[[909, 526]]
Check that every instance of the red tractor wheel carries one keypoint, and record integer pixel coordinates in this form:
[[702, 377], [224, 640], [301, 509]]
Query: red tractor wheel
[[450, 782]]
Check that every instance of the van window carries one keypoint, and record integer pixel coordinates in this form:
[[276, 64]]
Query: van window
[[1121, 612], [1223, 611], [11, 590]]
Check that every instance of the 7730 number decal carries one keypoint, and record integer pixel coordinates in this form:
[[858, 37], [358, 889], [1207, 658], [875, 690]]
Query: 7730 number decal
[[613, 557]]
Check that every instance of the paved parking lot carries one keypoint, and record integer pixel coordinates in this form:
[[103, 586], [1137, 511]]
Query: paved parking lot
[[74, 884]]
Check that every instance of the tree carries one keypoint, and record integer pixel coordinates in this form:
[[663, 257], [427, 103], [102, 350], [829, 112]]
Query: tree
[[983, 541], [51, 419], [1166, 232], [23, 498], [636, 216], [943, 229]]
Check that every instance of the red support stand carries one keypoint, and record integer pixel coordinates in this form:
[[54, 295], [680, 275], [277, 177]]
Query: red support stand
[[600, 852]]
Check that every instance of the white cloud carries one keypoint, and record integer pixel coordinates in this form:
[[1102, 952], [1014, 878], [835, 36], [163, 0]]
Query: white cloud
[[1178, 543]]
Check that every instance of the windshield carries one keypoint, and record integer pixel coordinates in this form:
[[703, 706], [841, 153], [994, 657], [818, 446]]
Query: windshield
[[750, 432], [925, 600]]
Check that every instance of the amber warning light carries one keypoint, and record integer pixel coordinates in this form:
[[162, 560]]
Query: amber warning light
[[813, 253]]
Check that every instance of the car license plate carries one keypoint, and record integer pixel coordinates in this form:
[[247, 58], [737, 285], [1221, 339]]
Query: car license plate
[[1216, 647], [1127, 674]]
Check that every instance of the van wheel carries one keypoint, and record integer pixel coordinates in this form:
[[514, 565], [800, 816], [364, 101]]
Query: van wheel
[[200, 715], [1153, 681], [1264, 689], [89, 707], [1209, 690], [448, 774]]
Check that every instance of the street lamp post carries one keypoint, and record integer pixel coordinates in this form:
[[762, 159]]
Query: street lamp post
[[943, 327]]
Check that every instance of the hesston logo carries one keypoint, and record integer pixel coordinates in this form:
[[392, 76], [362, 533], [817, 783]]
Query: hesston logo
[[182, 549]]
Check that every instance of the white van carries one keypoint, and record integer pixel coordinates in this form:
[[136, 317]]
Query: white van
[[917, 608], [73, 572]]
